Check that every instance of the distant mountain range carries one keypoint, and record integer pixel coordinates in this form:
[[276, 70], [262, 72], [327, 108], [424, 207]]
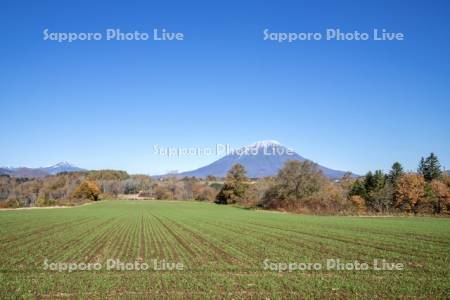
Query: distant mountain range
[[40, 172], [260, 159]]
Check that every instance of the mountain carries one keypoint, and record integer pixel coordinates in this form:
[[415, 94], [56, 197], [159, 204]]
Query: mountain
[[62, 167], [23, 172], [260, 159], [40, 172]]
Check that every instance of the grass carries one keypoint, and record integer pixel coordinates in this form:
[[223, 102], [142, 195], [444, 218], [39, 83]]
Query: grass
[[222, 250]]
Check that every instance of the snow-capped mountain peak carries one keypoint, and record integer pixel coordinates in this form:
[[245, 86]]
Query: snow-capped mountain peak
[[264, 144], [62, 164], [258, 147]]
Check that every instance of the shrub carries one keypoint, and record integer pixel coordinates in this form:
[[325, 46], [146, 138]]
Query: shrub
[[163, 193], [206, 193], [42, 202], [12, 203]]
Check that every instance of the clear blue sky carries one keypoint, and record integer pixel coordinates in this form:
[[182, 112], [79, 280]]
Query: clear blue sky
[[104, 104]]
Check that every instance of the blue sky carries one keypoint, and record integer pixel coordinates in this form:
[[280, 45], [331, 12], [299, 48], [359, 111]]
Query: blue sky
[[353, 105]]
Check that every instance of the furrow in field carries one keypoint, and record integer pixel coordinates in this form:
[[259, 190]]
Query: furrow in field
[[171, 240], [393, 237], [217, 247], [352, 251], [122, 246], [200, 253], [98, 247], [158, 251], [270, 243], [357, 245], [155, 250], [113, 243], [142, 241], [256, 245], [177, 237], [80, 249], [33, 256], [150, 246], [41, 234]]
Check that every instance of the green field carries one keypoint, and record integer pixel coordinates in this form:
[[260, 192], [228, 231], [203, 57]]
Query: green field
[[222, 250]]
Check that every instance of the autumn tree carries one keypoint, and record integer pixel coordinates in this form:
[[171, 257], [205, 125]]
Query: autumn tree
[[409, 192], [295, 182], [87, 189], [161, 192], [203, 192], [359, 203], [257, 190], [430, 168], [438, 196], [446, 178], [235, 187]]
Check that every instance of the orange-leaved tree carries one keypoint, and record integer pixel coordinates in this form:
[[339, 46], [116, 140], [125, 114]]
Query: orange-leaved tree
[[439, 196], [359, 203], [87, 189], [409, 192]]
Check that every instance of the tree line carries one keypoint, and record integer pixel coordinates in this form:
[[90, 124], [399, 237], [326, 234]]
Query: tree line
[[301, 186], [77, 187], [298, 186]]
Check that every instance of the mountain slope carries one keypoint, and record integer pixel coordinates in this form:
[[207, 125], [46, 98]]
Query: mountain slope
[[260, 159], [40, 172]]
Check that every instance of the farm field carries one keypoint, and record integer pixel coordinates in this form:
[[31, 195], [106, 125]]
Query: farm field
[[223, 251]]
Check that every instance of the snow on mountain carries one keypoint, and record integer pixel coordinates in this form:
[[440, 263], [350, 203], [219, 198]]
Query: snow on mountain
[[60, 167], [264, 144]]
